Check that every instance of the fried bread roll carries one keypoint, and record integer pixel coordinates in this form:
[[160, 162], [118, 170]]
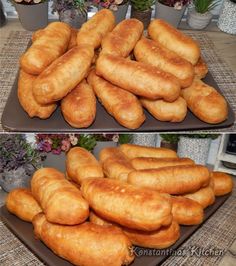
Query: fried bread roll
[[47, 46], [61, 201], [155, 163], [204, 196], [21, 202], [138, 78], [93, 31], [86, 244], [81, 164], [155, 54], [122, 39], [27, 100], [165, 111], [174, 180], [186, 211], [37, 34], [115, 165], [79, 106], [223, 183], [134, 151], [205, 102], [200, 69], [161, 238], [63, 75], [174, 40], [121, 104], [73, 38], [127, 205]]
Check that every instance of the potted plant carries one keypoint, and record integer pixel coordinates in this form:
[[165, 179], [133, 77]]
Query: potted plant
[[227, 17], [55, 146], [119, 7], [73, 12], [170, 141], [171, 10], [199, 16], [33, 14], [145, 139], [18, 161], [109, 140], [142, 10], [195, 146]]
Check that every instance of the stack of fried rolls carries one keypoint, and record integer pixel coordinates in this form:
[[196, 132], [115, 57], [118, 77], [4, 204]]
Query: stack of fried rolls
[[127, 207], [126, 71]]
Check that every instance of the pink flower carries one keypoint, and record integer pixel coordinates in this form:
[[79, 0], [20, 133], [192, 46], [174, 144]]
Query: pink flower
[[56, 151], [47, 146], [65, 145]]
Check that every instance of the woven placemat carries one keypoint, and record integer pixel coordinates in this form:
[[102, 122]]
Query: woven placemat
[[14, 44], [217, 233]]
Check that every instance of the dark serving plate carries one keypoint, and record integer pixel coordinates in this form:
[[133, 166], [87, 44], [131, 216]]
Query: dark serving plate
[[24, 231], [14, 118]]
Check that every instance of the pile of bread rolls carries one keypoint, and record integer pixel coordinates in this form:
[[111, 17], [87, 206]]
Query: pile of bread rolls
[[134, 195], [123, 69]]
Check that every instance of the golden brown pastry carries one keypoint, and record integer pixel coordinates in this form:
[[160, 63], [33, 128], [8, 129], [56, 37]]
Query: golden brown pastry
[[47, 47], [73, 38], [200, 69], [121, 104], [161, 238], [186, 211], [153, 53], [63, 75], [61, 201], [204, 196], [138, 78], [127, 205], [86, 244], [122, 39], [21, 202], [79, 106], [81, 164], [134, 151], [27, 100], [205, 102], [223, 183], [165, 111], [174, 40], [115, 165], [93, 31], [37, 34], [174, 180], [155, 163]]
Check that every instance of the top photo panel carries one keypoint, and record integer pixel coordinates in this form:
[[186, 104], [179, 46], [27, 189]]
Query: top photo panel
[[118, 66]]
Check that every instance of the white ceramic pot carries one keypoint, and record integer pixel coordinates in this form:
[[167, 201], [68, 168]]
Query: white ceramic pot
[[145, 139], [227, 17], [196, 149], [197, 20]]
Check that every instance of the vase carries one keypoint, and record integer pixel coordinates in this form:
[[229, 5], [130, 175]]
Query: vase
[[120, 13], [169, 14], [73, 17], [145, 139], [227, 17], [57, 161], [143, 16], [101, 145], [197, 20], [196, 149], [17, 178], [33, 17]]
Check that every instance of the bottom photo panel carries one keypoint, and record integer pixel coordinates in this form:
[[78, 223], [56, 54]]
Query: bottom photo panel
[[117, 199]]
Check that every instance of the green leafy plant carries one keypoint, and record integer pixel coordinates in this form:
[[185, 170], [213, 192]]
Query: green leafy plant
[[62, 5], [125, 138], [201, 136], [171, 138], [203, 6], [142, 5]]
